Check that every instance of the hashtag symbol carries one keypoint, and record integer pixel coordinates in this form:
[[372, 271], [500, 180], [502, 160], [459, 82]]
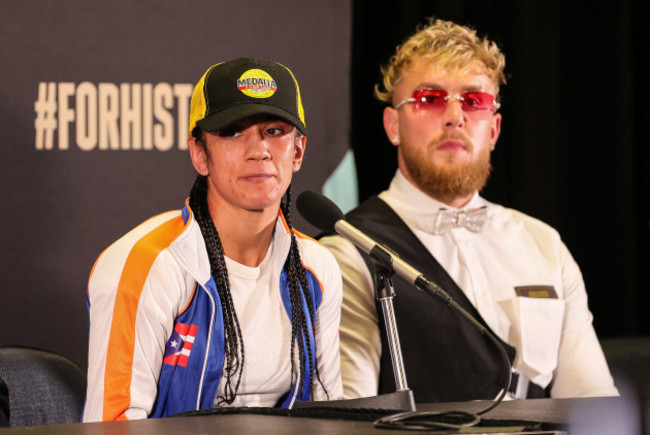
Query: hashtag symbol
[[45, 122]]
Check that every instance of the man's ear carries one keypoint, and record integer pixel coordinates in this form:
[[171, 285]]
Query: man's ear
[[495, 130], [391, 125], [299, 152], [198, 155]]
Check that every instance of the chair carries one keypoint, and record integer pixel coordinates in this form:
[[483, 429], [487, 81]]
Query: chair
[[44, 387], [629, 362]]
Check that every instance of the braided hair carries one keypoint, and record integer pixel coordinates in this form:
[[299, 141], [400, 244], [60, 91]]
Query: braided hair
[[298, 291], [234, 344], [297, 279]]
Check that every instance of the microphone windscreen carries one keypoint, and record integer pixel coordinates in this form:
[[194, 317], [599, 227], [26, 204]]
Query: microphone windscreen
[[318, 210]]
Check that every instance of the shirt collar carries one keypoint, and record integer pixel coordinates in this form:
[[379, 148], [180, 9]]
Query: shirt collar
[[415, 207]]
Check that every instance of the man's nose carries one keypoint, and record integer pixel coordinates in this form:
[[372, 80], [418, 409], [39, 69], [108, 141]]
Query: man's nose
[[453, 115]]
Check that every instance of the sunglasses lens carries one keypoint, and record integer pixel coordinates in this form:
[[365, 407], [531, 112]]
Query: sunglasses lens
[[430, 99], [477, 101]]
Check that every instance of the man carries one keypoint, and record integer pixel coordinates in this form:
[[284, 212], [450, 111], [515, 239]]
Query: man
[[510, 271], [220, 303]]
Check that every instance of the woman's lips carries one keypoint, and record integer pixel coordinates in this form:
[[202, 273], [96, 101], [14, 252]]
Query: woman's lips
[[257, 178]]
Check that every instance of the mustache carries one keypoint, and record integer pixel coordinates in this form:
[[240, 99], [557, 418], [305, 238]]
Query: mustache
[[452, 135]]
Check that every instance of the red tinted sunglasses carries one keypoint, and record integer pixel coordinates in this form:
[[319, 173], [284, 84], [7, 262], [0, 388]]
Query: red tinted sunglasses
[[436, 100]]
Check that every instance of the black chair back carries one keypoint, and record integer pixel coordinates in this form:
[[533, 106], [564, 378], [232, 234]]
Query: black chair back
[[629, 362], [44, 387]]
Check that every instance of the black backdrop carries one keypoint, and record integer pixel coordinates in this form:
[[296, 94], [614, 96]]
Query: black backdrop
[[66, 202], [574, 144], [573, 149]]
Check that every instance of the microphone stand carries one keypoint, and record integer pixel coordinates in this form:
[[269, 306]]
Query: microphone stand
[[402, 399], [385, 292]]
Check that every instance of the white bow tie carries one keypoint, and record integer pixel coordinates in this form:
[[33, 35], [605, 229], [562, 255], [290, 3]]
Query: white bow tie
[[446, 219]]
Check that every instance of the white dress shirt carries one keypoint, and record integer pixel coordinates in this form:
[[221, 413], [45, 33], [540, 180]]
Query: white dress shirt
[[554, 336]]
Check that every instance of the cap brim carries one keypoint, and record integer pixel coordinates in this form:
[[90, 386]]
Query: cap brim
[[232, 114]]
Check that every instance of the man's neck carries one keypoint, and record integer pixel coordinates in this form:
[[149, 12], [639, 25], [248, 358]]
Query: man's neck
[[455, 201]]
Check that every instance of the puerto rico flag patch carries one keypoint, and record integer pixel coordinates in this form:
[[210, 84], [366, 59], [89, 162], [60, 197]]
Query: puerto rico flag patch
[[179, 345]]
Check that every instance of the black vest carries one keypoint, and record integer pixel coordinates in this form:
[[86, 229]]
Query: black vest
[[446, 358]]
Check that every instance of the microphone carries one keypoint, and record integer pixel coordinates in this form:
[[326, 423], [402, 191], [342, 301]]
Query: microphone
[[322, 213]]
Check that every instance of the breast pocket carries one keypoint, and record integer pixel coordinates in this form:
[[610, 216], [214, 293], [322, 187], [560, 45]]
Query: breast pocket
[[535, 331]]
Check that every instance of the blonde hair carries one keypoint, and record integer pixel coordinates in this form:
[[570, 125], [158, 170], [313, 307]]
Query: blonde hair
[[450, 46]]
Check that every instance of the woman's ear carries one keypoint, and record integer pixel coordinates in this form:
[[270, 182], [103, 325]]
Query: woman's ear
[[299, 152], [198, 155]]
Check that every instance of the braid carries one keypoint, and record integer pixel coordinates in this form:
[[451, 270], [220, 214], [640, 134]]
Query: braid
[[234, 344], [298, 289]]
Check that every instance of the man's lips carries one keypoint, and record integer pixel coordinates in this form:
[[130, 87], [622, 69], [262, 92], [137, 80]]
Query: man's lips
[[451, 145]]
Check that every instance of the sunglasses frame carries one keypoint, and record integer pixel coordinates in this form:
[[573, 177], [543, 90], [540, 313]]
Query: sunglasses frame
[[417, 97]]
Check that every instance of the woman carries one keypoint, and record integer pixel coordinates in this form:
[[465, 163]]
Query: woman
[[222, 302]]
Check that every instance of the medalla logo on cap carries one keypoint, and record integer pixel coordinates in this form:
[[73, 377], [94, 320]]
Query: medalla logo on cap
[[257, 83]]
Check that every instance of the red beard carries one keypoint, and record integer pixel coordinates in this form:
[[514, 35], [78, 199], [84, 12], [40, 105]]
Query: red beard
[[449, 180]]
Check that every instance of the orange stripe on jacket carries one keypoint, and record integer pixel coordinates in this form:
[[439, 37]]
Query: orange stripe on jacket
[[107, 248], [117, 378]]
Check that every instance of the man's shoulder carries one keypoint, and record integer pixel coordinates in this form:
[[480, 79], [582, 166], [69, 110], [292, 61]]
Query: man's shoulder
[[371, 202], [507, 216], [313, 252], [373, 209]]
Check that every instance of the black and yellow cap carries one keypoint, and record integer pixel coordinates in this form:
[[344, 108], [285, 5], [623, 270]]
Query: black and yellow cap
[[234, 90]]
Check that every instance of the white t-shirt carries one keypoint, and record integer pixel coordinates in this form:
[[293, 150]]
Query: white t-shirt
[[258, 303]]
